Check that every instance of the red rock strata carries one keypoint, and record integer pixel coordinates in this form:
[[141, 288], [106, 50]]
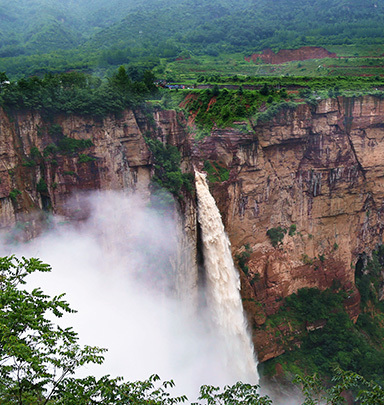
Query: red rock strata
[[289, 55]]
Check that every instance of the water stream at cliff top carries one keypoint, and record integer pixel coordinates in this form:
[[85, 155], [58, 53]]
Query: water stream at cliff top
[[223, 288]]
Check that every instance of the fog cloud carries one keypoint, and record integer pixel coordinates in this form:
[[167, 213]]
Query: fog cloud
[[114, 267]]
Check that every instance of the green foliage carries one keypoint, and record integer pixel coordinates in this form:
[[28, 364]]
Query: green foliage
[[274, 109], [369, 279], [335, 246], [306, 259], [42, 186], [138, 34], [223, 108], [264, 90], [215, 90], [76, 93], [51, 149], [71, 145], [55, 129], [328, 336], [242, 258], [292, 230], [238, 393], [311, 304], [276, 235], [38, 358], [85, 158], [115, 391], [216, 172], [13, 194], [168, 174], [35, 153], [315, 393], [29, 163], [35, 354], [69, 173]]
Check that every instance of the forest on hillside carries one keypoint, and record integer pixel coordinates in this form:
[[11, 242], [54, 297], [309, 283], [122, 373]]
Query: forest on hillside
[[49, 36]]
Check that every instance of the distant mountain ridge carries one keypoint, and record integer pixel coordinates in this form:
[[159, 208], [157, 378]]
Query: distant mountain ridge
[[128, 30]]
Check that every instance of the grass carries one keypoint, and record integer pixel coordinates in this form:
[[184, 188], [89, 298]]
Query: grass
[[187, 71]]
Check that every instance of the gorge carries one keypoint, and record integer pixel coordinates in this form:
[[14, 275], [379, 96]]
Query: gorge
[[314, 171]]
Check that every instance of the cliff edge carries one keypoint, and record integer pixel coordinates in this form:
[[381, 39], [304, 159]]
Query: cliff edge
[[314, 174]]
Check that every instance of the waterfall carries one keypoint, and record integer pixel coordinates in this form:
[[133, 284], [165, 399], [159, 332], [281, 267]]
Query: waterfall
[[223, 288]]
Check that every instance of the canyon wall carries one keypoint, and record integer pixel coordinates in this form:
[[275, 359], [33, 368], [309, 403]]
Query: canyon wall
[[316, 172]]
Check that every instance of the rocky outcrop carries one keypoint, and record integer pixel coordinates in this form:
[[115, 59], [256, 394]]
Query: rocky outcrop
[[289, 55], [118, 159], [316, 172]]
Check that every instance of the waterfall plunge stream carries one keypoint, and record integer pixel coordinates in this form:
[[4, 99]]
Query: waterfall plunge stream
[[223, 288], [115, 270]]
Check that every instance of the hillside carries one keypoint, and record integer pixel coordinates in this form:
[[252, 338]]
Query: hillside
[[41, 26], [94, 36]]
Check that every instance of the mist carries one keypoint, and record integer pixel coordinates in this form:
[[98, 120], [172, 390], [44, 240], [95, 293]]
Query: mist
[[115, 268]]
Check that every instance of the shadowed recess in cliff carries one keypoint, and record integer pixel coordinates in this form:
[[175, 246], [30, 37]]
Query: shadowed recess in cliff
[[223, 288], [115, 266]]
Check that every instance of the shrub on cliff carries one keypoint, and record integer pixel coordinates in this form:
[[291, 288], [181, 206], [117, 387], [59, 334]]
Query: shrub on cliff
[[276, 235], [168, 174], [216, 172], [274, 109], [242, 258], [326, 336]]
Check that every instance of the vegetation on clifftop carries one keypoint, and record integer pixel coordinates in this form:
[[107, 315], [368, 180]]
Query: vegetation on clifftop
[[215, 108], [77, 93], [49, 37]]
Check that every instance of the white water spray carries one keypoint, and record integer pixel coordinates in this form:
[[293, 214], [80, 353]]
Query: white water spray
[[223, 288]]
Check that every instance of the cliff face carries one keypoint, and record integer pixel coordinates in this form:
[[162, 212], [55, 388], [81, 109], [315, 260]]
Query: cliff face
[[118, 159], [317, 173], [320, 171]]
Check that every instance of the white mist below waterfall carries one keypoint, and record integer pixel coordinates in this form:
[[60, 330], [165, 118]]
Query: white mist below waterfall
[[223, 288]]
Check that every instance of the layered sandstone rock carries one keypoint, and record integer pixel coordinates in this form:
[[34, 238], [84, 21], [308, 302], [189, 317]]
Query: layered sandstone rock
[[319, 169]]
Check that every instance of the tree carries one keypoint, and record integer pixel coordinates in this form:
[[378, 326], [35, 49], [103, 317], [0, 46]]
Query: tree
[[265, 90], [236, 394], [314, 391], [3, 78], [215, 90], [38, 358], [107, 391], [149, 80], [35, 354], [121, 79]]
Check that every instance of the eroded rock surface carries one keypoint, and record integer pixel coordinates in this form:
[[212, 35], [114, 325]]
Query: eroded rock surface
[[317, 172]]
